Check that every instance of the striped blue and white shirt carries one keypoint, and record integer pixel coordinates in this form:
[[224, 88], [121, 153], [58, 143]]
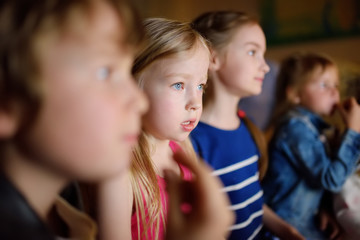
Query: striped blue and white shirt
[[234, 157]]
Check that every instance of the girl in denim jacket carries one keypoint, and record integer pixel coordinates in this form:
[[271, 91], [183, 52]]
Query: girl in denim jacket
[[302, 165]]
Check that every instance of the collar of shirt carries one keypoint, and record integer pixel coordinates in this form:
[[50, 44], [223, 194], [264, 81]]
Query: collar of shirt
[[316, 120]]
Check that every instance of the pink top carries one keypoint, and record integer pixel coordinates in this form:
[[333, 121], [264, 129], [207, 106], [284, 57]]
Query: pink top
[[186, 174]]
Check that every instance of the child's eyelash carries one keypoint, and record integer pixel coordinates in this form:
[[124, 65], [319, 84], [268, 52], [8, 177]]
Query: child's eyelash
[[202, 87], [103, 73], [178, 86], [252, 52]]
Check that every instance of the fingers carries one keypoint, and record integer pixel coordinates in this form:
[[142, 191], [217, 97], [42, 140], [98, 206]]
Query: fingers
[[181, 158], [350, 112], [348, 104], [334, 234], [210, 216], [323, 221], [205, 183], [335, 230], [342, 112], [329, 225], [344, 109]]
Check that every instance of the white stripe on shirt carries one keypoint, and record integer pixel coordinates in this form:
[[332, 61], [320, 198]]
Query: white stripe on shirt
[[236, 166], [247, 201], [255, 233], [241, 185], [247, 222]]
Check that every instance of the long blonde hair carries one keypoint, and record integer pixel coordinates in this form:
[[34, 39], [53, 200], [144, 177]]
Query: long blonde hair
[[163, 38]]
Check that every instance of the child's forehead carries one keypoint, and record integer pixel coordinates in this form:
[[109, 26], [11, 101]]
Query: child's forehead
[[329, 71], [86, 40], [95, 25], [99, 21]]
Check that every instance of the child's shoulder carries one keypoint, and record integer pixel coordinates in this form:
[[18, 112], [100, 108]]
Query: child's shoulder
[[17, 219], [295, 124]]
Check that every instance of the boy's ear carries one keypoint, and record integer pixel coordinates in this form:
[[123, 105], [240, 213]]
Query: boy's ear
[[292, 94], [9, 120], [214, 60]]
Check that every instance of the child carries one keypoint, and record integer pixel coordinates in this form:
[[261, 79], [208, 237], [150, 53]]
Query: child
[[302, 166], [172, 71], [228, 142], [63, 74], [69, 110]]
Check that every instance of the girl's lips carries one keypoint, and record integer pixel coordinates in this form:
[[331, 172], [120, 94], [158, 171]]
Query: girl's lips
[[188, 126], [259, 79]]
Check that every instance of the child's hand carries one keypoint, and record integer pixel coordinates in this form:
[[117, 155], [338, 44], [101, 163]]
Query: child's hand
[[210, 217], [279, 227], [329, 225], [291, 233], [350, 111]]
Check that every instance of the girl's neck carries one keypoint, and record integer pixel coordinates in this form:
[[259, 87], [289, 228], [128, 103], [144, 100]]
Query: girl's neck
[[221, 111], [162, 157], [38, 185]]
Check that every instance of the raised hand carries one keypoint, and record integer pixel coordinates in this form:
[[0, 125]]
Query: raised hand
[[350, 111], [210, 217]]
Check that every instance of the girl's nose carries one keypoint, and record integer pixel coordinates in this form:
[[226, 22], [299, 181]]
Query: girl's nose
[[194, 101], [192, 105], [265, 67]]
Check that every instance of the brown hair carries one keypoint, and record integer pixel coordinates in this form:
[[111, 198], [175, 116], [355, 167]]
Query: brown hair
[[21, 22], [260, 141], [163, 38], [295, 71]]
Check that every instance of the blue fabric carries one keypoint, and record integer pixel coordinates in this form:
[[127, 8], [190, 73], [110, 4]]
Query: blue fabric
[[233, 155], [301, 168]]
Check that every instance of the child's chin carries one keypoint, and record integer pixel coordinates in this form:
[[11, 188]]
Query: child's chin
[[181, 138], [254, 92]]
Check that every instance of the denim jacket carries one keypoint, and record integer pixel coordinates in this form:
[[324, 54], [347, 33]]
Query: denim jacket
[[301, 168]]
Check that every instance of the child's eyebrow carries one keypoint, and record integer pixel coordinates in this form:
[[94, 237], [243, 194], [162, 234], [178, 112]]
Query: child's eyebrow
[[182, 75], [253, 44], [185, 76]]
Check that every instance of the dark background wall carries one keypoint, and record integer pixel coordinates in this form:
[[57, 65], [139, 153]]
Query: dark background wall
[[343, 48]]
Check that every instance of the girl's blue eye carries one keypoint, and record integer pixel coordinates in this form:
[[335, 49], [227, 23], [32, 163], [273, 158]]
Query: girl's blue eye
[[252, 52], [201, 87], [103, 73], [323, 85], [178, 86]]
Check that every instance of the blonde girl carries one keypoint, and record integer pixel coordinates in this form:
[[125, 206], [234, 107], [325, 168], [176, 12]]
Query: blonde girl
[[225, 138], [172, 71]]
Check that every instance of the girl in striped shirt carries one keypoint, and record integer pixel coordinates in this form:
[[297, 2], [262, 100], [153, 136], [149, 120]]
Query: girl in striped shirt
[[225, 138]]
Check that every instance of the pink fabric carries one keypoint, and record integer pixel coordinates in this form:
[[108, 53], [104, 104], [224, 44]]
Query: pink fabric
[[186, 175]]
